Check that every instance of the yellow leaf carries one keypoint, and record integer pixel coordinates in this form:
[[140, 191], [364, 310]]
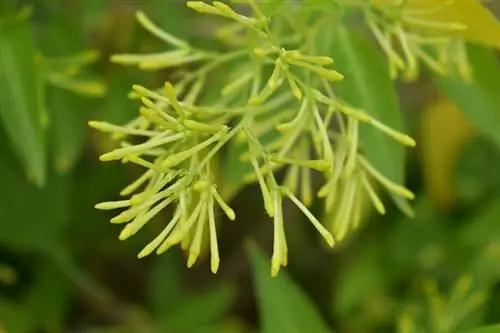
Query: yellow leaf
[[481, 25], [443, 131]]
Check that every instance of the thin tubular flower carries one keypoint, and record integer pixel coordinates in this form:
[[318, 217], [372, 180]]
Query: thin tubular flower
[[276, 105], [403, 34]]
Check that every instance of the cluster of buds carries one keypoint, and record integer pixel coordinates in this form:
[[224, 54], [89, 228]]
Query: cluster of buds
[[279, 125], [176, 149], [400, 25]]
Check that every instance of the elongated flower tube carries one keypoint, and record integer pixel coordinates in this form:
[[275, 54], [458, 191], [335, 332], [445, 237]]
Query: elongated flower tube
[[408, 28]]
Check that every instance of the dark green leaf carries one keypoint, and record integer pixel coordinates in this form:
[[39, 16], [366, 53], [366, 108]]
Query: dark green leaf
[[480, 100], [48, 297], [474, 177], [485, 329], [233, 170], [21, 114], [14, 318], [30, 217], [477, 235], [118, 109], [68, 114], [362, 277], [367, 86], [324, 5], [176, 25], [93, 12], [409, 240], [270, 7], [164, 287], [61, 36], [283, 306], [200, 310], [483, 228]]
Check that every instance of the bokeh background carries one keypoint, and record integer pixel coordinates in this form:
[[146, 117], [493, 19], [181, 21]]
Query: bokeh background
[[62, 268]]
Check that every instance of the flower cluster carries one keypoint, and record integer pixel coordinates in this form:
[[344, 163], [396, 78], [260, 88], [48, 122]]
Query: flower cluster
[[420, 39], [278, 102]]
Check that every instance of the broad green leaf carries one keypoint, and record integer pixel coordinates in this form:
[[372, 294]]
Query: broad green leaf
[[484, 329], [93, 12], [90, 228], [270, 7], [6, 8], [30, 217], [21, 114], [199, 310], [483, 229], [62, 35], [48, 297], [118, 109], [164, 288], [474, 177], [479, 100], [368, 86], [420, 242], [282, 305], [477, 240], [362, 277], [158, 10], [323, 5], [68, 113], [14, 318], [233, 170]]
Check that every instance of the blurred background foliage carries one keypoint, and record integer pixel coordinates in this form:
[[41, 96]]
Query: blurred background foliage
[[62, 268]]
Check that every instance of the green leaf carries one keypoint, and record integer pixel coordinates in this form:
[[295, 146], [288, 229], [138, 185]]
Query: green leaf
[[270, 7], [283, 306], [479, 100], [165, 284], [324, 5], [118, 109], [478, 240], [61, 35], [68, 114], [233, 170], [14, 318], [483, 228], [484, 329], [48, 297], [30, 217], [93, 12], [20, 112], [199, 310], [361, 278], [473, 176], [6, 8], [368, 86], [419, 243], [176, 12]]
